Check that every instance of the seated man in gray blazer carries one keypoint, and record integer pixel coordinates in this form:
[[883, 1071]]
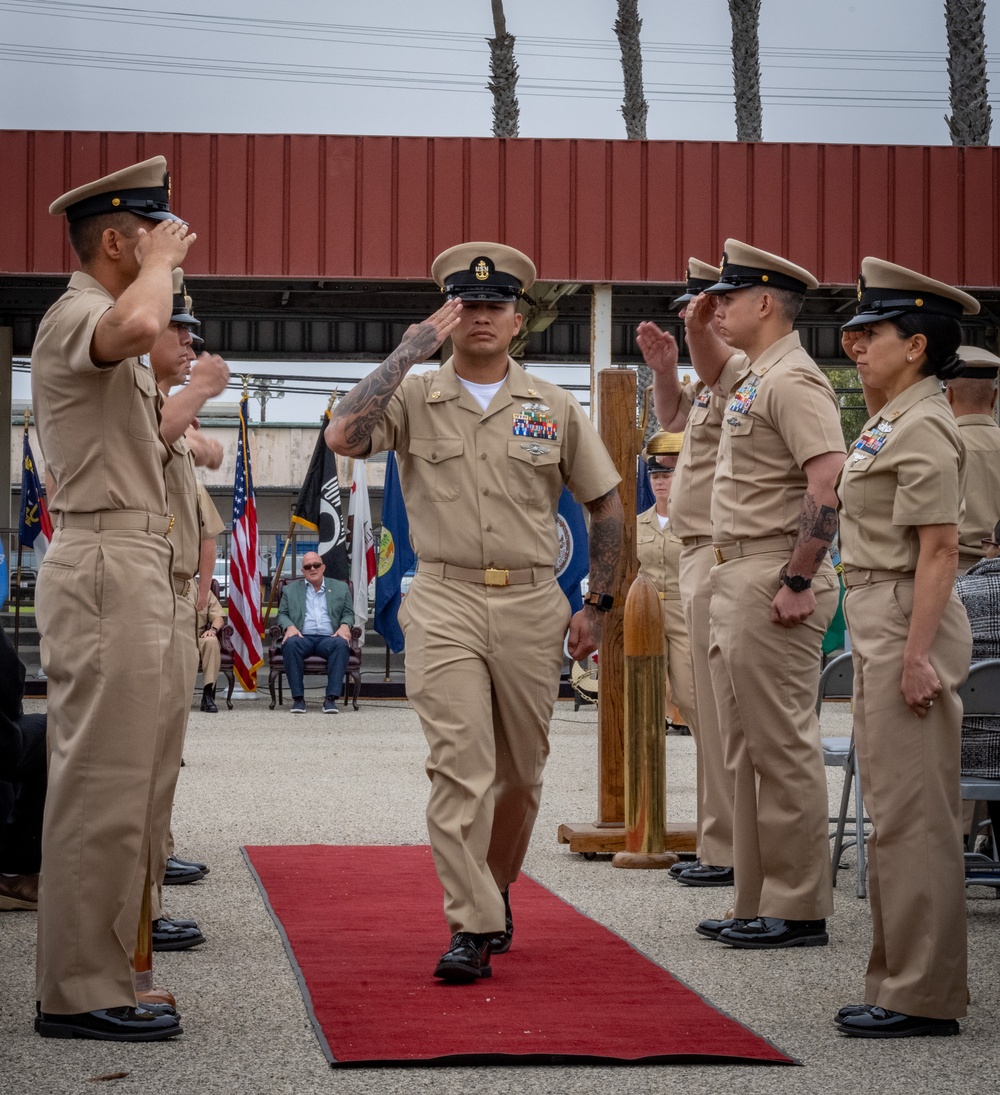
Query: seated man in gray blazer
[[316, 617]]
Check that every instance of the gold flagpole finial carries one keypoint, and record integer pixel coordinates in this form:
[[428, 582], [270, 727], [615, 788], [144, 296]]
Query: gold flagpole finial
[[27, 418], [246, 385], [333, 399]]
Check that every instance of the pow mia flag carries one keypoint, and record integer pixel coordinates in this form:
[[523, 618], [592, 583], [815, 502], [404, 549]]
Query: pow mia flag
[[318, 507]]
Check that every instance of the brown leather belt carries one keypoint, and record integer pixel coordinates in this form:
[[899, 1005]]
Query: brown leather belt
[[754, 545], [118, 520], [853, 578], [695, 541], [491, 577]]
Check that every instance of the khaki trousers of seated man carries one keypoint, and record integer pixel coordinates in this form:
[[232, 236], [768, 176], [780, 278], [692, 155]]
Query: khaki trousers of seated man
[[680, 675], [715, 781], [106, 684], [210, 655], [177, 708], [765, 679], [910, 770], [482, 673]]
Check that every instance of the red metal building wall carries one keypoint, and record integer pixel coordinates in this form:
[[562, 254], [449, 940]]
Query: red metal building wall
[[591, 211]]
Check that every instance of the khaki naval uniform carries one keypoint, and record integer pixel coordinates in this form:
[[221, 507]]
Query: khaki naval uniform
[[659, 559], [691, 521], [191, 527], [781, 412], [483, 661], [907, 470], [981, 437], [98, 428], [209, 650]]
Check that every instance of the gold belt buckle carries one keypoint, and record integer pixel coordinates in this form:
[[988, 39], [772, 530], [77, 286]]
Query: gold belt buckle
[[718, 556], [171, 525], [494, 577]]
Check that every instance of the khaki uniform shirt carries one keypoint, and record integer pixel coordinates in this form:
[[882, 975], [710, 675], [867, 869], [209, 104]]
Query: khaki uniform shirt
[[659, 554], [98, 426], [691, 490], [981, 436], [906, 469], [212, 611], [182, 502], [781, 412], [482, 487]]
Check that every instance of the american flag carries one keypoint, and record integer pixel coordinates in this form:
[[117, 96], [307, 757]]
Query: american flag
[[244, 569]]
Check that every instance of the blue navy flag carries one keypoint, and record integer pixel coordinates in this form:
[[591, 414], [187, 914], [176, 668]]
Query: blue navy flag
[[35, 526], [395, 558], [574, 549]]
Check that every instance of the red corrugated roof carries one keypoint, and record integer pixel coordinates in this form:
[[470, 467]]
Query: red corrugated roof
[[589, 211]]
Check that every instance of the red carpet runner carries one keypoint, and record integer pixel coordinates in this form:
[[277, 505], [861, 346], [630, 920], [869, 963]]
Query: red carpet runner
[[363, 927]]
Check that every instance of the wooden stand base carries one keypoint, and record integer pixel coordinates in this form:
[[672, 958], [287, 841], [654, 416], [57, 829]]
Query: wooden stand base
[[645, 861], [596, 838]]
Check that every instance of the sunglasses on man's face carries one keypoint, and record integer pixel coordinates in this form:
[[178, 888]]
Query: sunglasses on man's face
[[988, 542], [311, 566]]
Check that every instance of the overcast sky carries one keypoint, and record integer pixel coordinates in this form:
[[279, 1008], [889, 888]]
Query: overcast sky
[[871, 71]]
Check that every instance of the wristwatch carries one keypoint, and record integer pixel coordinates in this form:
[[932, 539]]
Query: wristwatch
[[603, 602], [796, 583]]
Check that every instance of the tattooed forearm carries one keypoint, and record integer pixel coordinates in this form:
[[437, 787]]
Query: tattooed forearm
[[354, 418], [817, 522], [607, 521]]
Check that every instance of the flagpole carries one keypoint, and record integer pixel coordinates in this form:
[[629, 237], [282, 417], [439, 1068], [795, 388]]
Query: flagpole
[[291, 533]]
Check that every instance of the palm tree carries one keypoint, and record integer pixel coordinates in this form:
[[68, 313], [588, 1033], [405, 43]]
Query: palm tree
[[503, 73], [634, 106], [745, 18], [970, 118]]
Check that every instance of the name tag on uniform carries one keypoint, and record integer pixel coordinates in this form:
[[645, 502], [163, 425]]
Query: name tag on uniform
[[744, 396], [533, 421]]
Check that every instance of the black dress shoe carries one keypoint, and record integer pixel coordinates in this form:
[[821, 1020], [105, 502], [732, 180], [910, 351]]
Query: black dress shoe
[[879, 1023], [852, 1009], [110, 1025], [179, 872], [178, 923], [168, 936], [208, 699], [466, 959], [500, 944], [685, 863], [771, 932], [712, 929], [706, 875], [160, 1009]]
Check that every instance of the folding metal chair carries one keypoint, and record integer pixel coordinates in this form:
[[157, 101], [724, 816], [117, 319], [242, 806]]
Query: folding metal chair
[[981, 699], [836, 682]]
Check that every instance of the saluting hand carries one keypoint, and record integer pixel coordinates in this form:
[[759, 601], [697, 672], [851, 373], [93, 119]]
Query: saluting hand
[[210, 373], [698, 313], [659, 348], [168, 241], [422, 339]]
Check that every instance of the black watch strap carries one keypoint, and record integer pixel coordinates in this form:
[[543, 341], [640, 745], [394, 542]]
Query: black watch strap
[[796, 583], [603, 602]]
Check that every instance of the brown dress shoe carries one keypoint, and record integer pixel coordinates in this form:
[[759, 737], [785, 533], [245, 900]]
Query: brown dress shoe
[[19, 891], [155, 995]]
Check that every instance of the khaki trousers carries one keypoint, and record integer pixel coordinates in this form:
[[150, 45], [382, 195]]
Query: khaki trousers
[[104, 662], [910, 781], [715, 781], [482, 673], [177, 707], [765, 679], [680, 676], [210, 655]]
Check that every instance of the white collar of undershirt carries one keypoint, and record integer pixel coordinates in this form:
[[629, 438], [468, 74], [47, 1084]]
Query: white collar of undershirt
[[482, 393]]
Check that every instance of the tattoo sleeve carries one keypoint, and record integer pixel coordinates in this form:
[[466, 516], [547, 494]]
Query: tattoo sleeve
[[817, 528], [607, 521], [364, 405]]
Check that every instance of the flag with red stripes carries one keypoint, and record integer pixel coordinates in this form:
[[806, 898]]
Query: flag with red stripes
[[244, 569]]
